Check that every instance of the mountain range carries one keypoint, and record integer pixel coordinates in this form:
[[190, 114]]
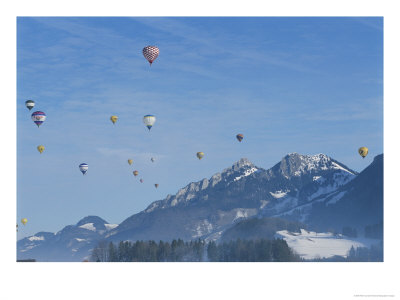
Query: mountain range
[[306, 191]]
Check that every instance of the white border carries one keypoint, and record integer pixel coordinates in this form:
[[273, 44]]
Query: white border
[[203, 280]]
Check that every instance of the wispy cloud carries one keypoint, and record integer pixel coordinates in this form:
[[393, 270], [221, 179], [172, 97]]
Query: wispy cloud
[[215, 44]]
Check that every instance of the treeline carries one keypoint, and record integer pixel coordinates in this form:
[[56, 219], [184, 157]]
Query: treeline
[[251, 250], [149, 251], [374, 231], [194, 251], [373, 253]]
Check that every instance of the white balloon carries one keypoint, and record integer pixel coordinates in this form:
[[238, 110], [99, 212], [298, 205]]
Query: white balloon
[[149, 121]]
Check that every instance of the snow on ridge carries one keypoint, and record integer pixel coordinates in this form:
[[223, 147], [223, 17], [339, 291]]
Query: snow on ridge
[[240, 214], [284, 203], [278, 194], [336, 198], [246, 173], [80, 240], [110, 226], [336, 166], [88, 226], [152, 207], [28, 248], [312, 162], [36, 238], [203, 227], [263, 203], [339, 181], [214, 236], [305, 208]]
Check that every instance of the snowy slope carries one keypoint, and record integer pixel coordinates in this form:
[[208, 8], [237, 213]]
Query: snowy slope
[[310, 245]]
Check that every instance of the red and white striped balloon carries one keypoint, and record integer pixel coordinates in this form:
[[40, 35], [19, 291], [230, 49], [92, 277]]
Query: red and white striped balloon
[[151, 53]]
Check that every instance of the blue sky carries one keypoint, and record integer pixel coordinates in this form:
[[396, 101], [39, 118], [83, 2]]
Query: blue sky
[[306, 85]]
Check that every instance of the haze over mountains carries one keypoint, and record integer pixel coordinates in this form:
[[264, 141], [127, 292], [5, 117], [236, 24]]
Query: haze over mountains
[[313, 191]]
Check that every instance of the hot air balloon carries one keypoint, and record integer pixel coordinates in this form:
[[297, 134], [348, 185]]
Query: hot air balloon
[[135, 173], [151, 53], [38, 117], [152, 159], [40, 148], [239, 137], [83, 167], [200, 155], [363, 151], [141, 180], [24, 221], [29, 104], [113, 119], [156, 185], [130, 161], [149, 121]]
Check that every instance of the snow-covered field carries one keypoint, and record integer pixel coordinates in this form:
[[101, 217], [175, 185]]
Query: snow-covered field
[[310, 245]]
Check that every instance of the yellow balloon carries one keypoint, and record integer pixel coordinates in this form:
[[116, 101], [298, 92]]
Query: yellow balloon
[[24, 221], [200, 155], [40, 148], [363, 151], [130, 161], [113, 119]]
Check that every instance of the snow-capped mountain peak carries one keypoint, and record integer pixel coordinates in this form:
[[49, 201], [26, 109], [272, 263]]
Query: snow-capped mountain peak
[[240, 169], [294, 164], [95, 220], [243, 162]]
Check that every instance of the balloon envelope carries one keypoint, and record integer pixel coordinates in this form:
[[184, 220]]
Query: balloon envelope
[[363, 151], [40, 148], [29, 104], [83, 167], [150, 53], [135, 173], [239, 137], [113, 119], [38, 117], [149, 121], [200, 155], [130, 161], [156, 185], [152, 159], [24, 221]]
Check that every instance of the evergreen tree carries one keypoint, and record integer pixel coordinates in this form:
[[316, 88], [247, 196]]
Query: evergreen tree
[[212, 251], [112, 252]]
